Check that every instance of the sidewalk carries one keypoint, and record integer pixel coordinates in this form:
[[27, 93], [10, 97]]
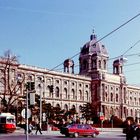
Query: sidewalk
[[110, 129], [49, 132]]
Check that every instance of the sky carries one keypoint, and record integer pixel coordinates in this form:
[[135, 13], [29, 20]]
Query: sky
[[44, 33]]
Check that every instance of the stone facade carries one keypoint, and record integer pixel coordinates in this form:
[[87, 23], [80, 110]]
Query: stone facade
[[94, 84], [69, 90], [110, 91]]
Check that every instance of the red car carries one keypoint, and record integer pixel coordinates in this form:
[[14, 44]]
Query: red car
[[77, 130]]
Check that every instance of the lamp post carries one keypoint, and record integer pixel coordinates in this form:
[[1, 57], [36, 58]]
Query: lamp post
[[138, 115], [41, 108], [27, 111], [41, 91], [27, 137]]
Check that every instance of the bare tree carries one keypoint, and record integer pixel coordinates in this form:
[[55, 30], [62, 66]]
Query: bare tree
[[10, 80]]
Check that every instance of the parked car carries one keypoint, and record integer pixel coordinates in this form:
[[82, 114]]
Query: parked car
[[77, 130]]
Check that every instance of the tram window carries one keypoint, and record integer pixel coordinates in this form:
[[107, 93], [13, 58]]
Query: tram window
[[3, 120], [10, 120]]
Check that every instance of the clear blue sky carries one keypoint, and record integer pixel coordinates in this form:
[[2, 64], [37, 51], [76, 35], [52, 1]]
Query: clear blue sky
[[46, 32]]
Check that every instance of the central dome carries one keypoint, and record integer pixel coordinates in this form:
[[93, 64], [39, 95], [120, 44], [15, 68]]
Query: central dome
[[93, 47]]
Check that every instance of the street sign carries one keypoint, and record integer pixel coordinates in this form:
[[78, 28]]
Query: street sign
[[23, 113], [102, 118], [100, 114], [32, 98]]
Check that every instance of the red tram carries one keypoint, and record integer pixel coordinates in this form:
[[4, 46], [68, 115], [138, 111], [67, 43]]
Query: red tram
[[7, 123]]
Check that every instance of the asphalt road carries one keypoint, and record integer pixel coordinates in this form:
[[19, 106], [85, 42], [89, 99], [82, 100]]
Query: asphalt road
[[104, 135]]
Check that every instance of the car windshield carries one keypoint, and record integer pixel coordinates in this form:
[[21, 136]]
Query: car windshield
[[70, 126]]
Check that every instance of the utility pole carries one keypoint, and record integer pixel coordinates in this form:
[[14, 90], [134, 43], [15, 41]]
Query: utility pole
[[28, 112], [27, 136], [40, 106], [41, 86]]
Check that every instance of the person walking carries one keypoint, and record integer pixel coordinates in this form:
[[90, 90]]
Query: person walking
[[30, 128], [38, 128], [137, 129], [129, 131]]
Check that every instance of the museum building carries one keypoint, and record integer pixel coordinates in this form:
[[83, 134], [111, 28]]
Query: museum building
[[109, 92]]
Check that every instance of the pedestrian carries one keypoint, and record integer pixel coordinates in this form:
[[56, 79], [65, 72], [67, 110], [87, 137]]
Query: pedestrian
[[129, 131], [30, 128], [38, 128], [24, 127], [137, 129]]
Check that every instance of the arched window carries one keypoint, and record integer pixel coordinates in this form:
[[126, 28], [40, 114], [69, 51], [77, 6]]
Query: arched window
[[57, 92], [66, 107], [49, 90], [65, 93], [131, 111], [94, 64], [111, 98], [57, 105], [104, 64], [131, 100], [136, 114], [73, 94], [106, 96], [73, 106], [135, 101], [99, 64], [117, 98], [87, 95], [80, 95]]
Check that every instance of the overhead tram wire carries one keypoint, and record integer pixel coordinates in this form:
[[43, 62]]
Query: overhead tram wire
[[131, 47], [138, 54], [136, 63], [127, 51], [132, 64], [134, 54], [101, 38], [112, 58]]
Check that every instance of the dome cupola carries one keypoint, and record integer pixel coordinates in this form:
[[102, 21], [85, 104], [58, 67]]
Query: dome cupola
[[68, 66], [94, 47]]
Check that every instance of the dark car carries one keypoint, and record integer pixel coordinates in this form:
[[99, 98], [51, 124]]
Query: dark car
[[77, 130]]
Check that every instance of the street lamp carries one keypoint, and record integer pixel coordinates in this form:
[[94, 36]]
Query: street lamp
[[29, 88], [138, 115], [41, 92]]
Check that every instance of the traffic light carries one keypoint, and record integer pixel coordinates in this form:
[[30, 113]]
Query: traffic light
[[30, 86], [37, 99], [27, 85], [51, 88]]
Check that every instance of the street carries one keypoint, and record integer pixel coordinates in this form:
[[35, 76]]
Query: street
[[55, 135]]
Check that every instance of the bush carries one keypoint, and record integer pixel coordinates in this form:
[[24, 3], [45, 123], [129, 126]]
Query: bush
[[117, 121]]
